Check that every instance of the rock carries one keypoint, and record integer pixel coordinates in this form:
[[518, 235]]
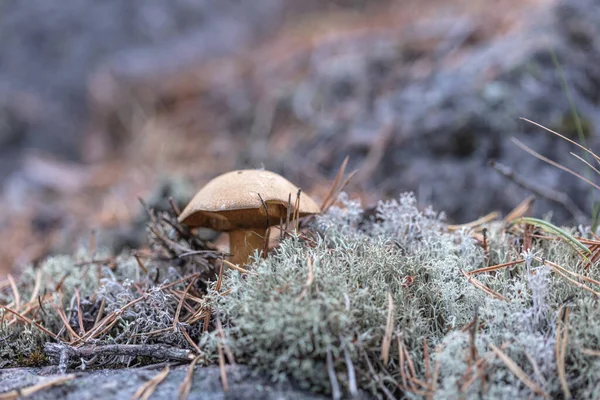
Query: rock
[[122, 384]]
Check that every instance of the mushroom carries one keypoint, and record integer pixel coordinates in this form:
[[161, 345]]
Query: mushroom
[[244, 203]]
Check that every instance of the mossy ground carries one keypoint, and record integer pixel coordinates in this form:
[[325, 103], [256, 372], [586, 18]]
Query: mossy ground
[[381, 302]]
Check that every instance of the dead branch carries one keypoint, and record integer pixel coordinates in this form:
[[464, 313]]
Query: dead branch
[[158, 351]]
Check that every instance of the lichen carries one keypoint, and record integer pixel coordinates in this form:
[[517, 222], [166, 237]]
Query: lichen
[[318, 309]]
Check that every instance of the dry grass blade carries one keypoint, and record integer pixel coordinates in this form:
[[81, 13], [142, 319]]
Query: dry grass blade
[[553, 163], [585, 162], [36, 287], [563, 273], [228, 351], [590, 352], [536, 368], [376, 377], [29, 321], [180, 304], [224, 381], [15, 290], [495, 267], [520, 210], [147, 389], [482, 287], [389, 328], [519, 373], [79, 313], [563, 137], [309, 279], [560, 347], [330, 198], [426, 361], [28, 391], [61, 313], [186, 385], [140, 264], [473, 224], [189, 339], [337, 187], [107, 322], [237, 267]]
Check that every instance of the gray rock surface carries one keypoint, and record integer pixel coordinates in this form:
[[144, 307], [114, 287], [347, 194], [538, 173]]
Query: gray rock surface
[[122, 384]]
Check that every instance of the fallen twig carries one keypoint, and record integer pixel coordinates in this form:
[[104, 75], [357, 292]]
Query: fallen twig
[[157, 351]]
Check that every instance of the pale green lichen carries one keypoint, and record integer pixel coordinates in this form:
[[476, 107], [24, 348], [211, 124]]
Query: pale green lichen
[[285, 327], [325, 294]]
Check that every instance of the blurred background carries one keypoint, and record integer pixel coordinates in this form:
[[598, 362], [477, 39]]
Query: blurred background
[[105, 102]]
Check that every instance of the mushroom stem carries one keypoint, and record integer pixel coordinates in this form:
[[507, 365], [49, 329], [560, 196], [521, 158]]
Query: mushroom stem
[[242, 244]]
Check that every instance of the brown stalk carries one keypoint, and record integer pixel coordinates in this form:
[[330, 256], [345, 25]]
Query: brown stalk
[[562, 334], [140, 264], [189, 339], [59, 310], [267, 228], [174, 206], [79, 313], [426, 361], [180, 304], [389, 327], [297, 209], [100, 312]]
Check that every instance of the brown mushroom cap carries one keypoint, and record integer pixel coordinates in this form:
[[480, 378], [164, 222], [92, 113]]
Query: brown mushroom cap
[[230, 201]]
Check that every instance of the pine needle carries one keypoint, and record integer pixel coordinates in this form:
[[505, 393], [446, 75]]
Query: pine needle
[[519, 373], [147, 389], [28, 391], [186, 385], [389, 328], [560, 347]]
